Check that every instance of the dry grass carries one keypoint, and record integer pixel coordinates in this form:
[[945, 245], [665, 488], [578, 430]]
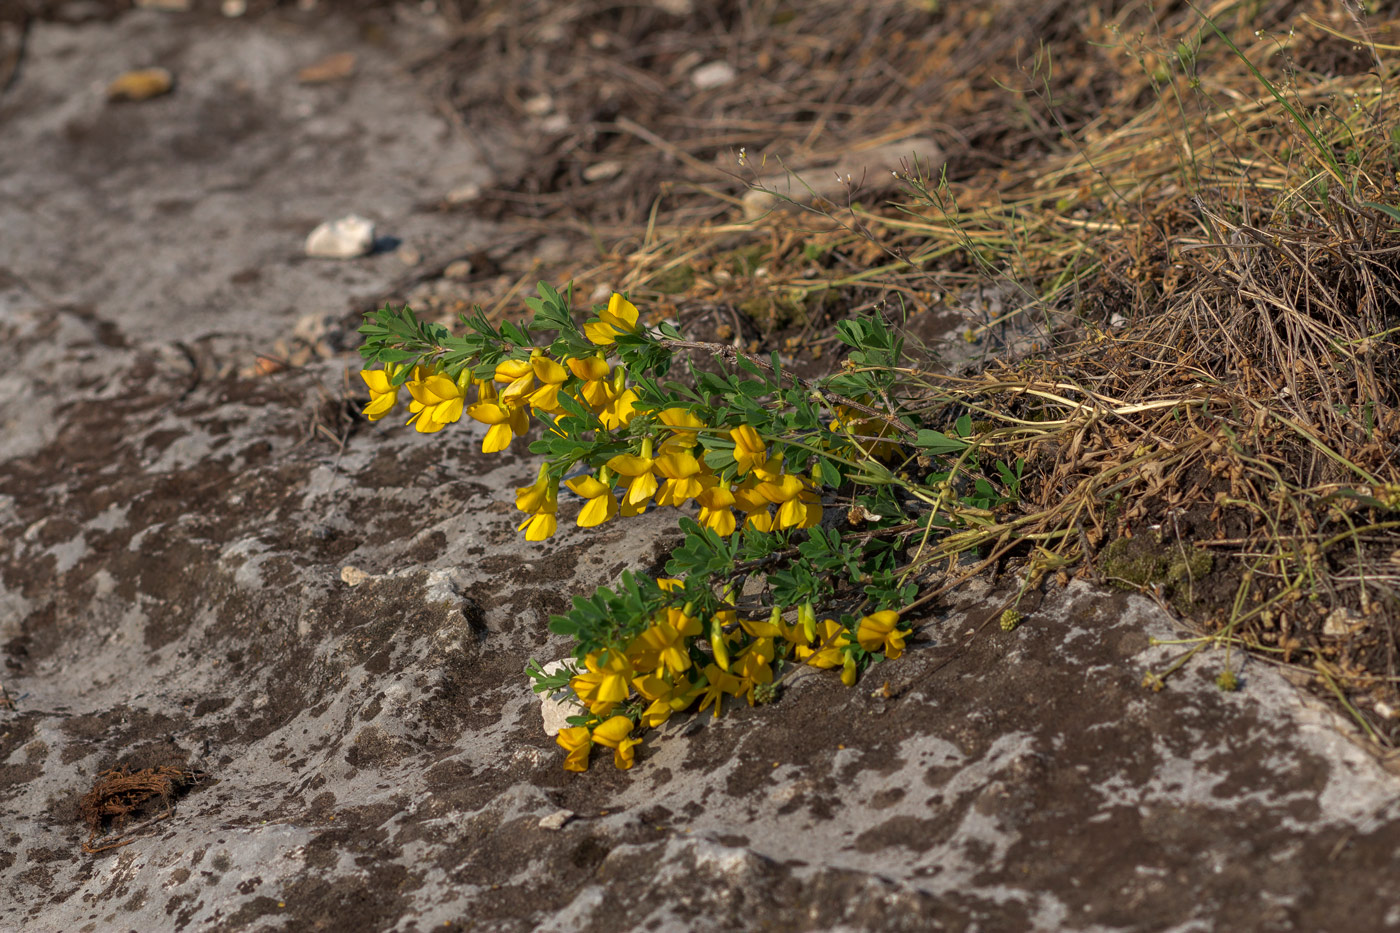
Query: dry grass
[[1178, 296]]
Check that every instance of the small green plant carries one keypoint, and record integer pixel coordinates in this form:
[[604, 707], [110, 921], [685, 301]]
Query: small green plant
[[749, 455]]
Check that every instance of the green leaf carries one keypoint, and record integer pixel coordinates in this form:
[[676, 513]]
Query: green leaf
[[1392, 212], [936, 442]]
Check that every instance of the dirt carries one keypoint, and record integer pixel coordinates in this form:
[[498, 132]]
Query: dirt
[[176, 522]]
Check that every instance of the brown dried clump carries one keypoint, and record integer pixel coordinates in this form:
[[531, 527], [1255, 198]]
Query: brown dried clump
[[119, 795]]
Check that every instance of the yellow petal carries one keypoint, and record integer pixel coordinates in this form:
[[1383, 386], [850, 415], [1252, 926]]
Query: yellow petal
[[677, 464], [630, 464], [488, 413], [540, 526], [589, 368], [511, 370], [546, 370], [600, 333], [380, 407], [641, 489], [586, 486], [621, 313], [597, 511], [497, 439], [613, 732], [377, 380]]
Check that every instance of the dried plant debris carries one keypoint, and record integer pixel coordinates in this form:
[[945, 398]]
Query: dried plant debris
[[123, 803]]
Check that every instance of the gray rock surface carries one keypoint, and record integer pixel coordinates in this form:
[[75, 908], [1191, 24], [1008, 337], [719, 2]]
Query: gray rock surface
[[172, 593]]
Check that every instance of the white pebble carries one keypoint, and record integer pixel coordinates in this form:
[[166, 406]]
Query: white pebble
[[557, 707], [353, 576], [557, 819], [345, 238], [712, 75]]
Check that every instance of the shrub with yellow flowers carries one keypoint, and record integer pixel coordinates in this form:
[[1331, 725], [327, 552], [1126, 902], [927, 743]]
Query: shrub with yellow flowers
[[750, 456]]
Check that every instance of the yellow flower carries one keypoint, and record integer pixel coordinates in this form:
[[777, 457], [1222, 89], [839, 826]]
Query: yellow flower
[[749, 450], [753, 504], [831, 638], [506, 420], [663, 645], [518, 377], [621, 410], [754, 666], [596, 391], [601, 505], [715, 500], [877, 632], [678, 420], [437, 402], [604, 685], [798, 506], [383, 394], [541, 500], [776, 627], [717, 684], [551, 376], [619, 317], [666, 697], [576, 741], [614, 734], [639, 468], [682, 472]]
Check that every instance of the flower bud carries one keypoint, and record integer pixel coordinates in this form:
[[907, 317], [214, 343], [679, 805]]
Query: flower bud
[[718, 646]]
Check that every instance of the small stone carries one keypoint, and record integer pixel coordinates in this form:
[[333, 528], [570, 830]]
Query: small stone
[[602, 171], [865, 172], [464, 193], [459, 269], [1340, 622], [556, 820], [408, 255], [557, 707], [323, 334], [335, 67], [165, 6], [142, 84], [345, 238], [675, 7], [353, 576], [712, 75], [540, 105], [554, 123], [233, 8]]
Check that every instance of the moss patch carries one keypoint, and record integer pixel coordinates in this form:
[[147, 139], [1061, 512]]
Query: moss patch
[[1148, 561]]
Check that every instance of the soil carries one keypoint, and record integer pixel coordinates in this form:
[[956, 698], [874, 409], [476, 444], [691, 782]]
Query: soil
[[176, 519]]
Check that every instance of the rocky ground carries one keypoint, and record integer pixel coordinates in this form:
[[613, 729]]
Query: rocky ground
[[177, 517]]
